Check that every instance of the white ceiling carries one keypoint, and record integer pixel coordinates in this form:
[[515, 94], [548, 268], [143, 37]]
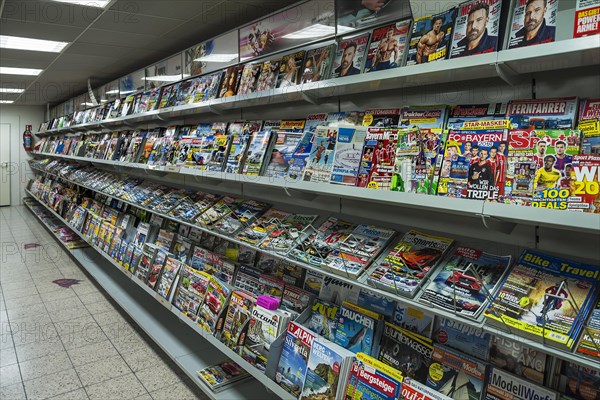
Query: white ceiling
[[127, 35]]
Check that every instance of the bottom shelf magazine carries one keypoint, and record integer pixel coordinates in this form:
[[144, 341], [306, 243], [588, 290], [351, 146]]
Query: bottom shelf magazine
[[221, 376]]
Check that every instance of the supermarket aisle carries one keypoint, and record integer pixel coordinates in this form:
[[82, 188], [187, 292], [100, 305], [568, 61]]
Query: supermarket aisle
[[69, 342]]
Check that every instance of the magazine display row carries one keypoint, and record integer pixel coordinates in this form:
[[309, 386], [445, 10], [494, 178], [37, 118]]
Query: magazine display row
[[316, 335], [541, 153], [473, 27]]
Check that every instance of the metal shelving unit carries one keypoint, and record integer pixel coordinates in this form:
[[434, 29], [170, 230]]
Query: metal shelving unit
[[164, 324], [362, 283]]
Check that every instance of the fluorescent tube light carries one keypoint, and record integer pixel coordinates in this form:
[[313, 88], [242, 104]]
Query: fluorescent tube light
[[163, 78], [20, 71], [11, 90], [87, 3], [6, 101], [317, 31], [114, 91], [86, 104], [226, 57], [22, 43]]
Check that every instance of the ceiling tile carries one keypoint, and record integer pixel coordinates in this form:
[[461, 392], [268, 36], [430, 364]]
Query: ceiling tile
[[177, 9], [25, 59], [39, 30], [50, 12], [100, 36], [134, 23]]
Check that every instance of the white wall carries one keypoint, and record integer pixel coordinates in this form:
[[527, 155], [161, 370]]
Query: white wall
[[17, 117]]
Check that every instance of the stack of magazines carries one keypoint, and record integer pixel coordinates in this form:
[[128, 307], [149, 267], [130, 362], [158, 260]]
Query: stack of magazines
[[221, 376]]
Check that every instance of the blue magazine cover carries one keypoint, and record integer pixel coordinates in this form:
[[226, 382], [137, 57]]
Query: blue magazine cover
[[294, 358]]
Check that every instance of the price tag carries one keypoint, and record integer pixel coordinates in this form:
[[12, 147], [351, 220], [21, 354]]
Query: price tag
[[171, 168]]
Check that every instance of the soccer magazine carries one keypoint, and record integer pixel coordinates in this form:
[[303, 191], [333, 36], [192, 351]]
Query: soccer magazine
[[304, 147], [358, 329], [258, 150], [464, 337], [237, 318], [378, 157], [282, 153], [533, 22], [319, 164], [372, 379], [293, 362], [502, 385], [519, 359], [545, 298], [431, 37], [556, 113], [474, 165], [466, 281], [388, 46], [348, 155], [404, 267], [476, 28], [586, 18], [327, 370], [317, 65], [583, 183], [456, 375], [350, 56], [460, 116], [408, 352]]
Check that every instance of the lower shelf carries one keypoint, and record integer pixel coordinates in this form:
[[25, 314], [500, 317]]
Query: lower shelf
[[187, 344]]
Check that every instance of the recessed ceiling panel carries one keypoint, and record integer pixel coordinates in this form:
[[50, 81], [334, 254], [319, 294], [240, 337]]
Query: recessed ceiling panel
[[36, 30], [50, 12], [134, 23], [180, 9]]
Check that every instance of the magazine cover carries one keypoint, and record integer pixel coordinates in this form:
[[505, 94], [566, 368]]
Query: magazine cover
[[474, 165], [431, 36], [407, 352], [317, 65], [349, 58], [546, 298], [590, 339], [215, 303], [327, 370], [263, 226], [502, 385], [412, 389], [582, 180], [222, 375], [372, 379], [295, 300], [191, 290], [514, 357], [388, 46], [586, 18], [258, 149], [466, 281], [323, 319], [282, 240], [347, 156], [413, 320], [581, 383], [231, 81], [557, 113], [533, 22], [589, 124], [382, 117], [358, 329], [319, 164], [207, 261], [456, 375], [238, 144], [463, 337], [476, 28], [410, 165], [268, 75], [378, 157], [403, 268], [210, 156], [293, 362], [249, 78], [265, 326], [237, 318], [281, 155], [304, 147], [459, 117], [290, 69], [220, 209]]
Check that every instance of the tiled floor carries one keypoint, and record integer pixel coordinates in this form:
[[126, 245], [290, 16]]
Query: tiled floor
[[69, 343]]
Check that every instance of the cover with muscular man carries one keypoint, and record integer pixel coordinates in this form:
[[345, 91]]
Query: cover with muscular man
[[477, 28], [431, 37], [388, 46]]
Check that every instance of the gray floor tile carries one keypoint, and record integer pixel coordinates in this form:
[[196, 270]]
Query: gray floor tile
[[52, 385], [18, 293], [68, 314], [66, 293], [142, 359], [103, 370], [46, 365], [35, 350], [78, 394], [8, 356], [13, 392], [92, 353], [123, 387], [23, 301], [10, 375], [26, 311], [179, 391], [157, 377]]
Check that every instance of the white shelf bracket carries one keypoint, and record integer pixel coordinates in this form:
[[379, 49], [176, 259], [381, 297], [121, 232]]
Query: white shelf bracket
[[300, 195], [496, 224], [214, 110], [309, 98], [507, 74]]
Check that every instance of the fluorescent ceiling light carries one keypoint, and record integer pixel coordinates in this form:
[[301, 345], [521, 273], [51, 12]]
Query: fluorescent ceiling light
[[6, 101], [88, 3], [21, 43], [317, 31], [163, 78], [10, 90], [127, 91], [226, 57], [114, 91], [20, 71], [86, 104]]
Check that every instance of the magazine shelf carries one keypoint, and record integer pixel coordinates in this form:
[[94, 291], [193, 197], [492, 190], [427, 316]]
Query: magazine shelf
[[506, 65], [362, 282], [188, 353]]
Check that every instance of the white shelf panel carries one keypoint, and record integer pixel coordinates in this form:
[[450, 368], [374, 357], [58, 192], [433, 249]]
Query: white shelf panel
[[361, 282], [189, 353]]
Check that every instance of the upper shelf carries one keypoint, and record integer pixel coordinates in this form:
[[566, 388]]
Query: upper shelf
[[508, 65]]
